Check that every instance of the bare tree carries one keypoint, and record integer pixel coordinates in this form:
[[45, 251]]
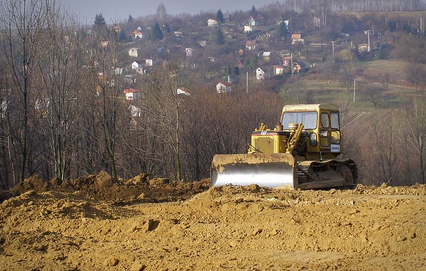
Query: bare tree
[[166, 106], [416, 127], [22, 23], [59, 87]]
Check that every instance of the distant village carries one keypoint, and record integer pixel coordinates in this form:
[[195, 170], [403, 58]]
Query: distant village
[[244, 50]]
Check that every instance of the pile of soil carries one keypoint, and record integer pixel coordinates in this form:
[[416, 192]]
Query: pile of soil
[[140, 188], [222, 228]]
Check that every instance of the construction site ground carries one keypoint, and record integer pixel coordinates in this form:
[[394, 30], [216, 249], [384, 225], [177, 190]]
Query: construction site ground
[[95, 223]]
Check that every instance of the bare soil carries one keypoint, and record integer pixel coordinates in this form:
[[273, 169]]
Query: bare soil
[[94, 223]]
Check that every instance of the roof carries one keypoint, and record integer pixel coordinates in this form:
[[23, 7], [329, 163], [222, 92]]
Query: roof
[[130, 90], [310, 107], [224, 83], [250, 42], [296, 36]]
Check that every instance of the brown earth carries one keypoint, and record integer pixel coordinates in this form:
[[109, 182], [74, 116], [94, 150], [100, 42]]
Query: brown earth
[[94, 223]]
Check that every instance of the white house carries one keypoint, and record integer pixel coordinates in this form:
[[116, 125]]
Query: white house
[[132, 94], [135, 111], [278, 70], [137, 34], [252, 21], [266, 56], [223, 87], [183, 91], [135, 65], [133, 52], [189, 51], [149, 62], [212, 23], [260, 74], [118, 71], [248, 28], [297, 38], [251, 45]]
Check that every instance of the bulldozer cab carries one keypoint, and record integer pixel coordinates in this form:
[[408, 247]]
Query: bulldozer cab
[[321, 128]]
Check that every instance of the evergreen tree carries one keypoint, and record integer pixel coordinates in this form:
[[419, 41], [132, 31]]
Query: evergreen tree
[[282, 30], [220, 38], [100, 22], [122, 36], [130, 20], [253, 11], [219, 16], [156, 32], [161, 12]]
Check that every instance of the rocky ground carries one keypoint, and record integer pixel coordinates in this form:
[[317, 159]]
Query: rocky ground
[[94, 223]]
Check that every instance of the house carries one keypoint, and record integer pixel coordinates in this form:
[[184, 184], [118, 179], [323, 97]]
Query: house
[[141, 71], [129, 80], [135, 65], [118, 71], [251, 45], [149, 62], [183, 91], [133, 52], [189, 52], [260, 74], [135, 111], [278, 70], [266, 56], [296, 38], [104, 43], [223, 87], [137, 34], [286, 22], [296, 67], [212, 59], [287, 61], [132, 94], [252, 21], [212, 23], [116, 28], [203, 43], [363, 47], [178, 34], [248, 29]]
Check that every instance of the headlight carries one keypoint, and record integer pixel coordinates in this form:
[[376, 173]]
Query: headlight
[[313, 139]]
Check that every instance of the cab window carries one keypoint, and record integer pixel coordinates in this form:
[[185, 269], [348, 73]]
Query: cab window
[[309, 119], [324, 120], [335, 124]]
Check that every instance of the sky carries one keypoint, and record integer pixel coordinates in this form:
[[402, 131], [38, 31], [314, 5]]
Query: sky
[[118, 10]]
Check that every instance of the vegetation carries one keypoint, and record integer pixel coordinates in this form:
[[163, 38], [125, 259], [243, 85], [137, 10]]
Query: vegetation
[[64, 112]]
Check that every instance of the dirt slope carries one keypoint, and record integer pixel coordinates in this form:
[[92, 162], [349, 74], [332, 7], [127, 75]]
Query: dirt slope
[[226, 228]]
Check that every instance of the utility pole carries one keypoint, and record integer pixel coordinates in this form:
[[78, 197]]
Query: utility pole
[[354, 90], [332, 45], [291, 63], [368, 38], [247, 84]]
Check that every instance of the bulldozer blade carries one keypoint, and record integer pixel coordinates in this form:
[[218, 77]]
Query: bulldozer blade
[[269, 170]]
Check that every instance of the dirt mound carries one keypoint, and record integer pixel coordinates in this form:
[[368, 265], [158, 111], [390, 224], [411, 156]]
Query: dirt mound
[[221, 228], [102, 187]]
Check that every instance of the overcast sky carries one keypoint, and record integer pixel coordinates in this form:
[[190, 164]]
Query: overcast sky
[[117, 10]]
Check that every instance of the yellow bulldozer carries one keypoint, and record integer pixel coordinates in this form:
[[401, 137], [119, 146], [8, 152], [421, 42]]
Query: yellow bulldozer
[[302, 151]]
